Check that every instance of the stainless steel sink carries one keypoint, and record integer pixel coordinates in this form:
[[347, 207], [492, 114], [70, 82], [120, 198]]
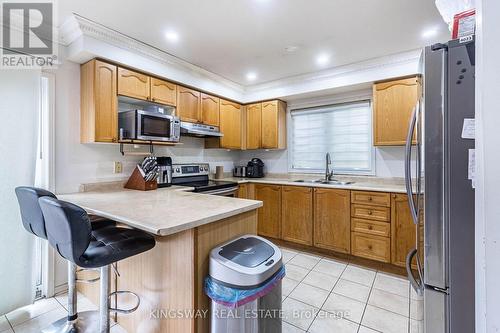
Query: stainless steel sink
[[322, 181]]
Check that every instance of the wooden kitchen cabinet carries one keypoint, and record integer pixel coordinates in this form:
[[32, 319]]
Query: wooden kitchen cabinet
[[393, 102], [133, 84], [403, 236], [254, 126], [188, 104], [242, 191], [332, 219], [231, 121], [273, 125], [297, 214], [163, 92], [98, 102], [209, 110], [371, 247], [269, 215]]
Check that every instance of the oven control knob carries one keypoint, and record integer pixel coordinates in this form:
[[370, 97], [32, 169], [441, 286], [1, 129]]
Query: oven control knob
[[177, 170], [206, 169]]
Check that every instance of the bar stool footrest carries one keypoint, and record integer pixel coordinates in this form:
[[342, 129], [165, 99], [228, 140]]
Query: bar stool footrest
[[125, 311]]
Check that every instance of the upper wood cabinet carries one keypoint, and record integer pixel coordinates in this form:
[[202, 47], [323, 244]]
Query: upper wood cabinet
[[98, 102], [209, 109], [393, 102], [188, 104], [273, 125], [133, 84], [332, 219], [163, 92], [269, 215], [297, 214], [254, 126], [403, 229], [231, 125]]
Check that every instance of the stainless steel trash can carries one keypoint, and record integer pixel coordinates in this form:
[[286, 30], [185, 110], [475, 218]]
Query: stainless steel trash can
[[247, 263]]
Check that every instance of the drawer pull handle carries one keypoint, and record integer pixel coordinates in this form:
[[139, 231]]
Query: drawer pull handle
[[370, 227], [370, 247], [370, 212], [370, 198]]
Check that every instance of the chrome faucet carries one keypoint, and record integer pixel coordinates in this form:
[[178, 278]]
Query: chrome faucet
[[328, 173]]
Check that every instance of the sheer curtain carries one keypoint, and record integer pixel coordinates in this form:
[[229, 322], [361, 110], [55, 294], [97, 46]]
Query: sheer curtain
[[19, 103]]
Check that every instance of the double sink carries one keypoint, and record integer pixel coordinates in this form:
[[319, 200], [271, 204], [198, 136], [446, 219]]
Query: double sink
[[323, 181]]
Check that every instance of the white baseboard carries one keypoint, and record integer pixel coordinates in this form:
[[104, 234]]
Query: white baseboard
[[61, 289]]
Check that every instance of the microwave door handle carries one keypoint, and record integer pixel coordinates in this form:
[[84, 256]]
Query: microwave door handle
[[416, 285], [408, 182]]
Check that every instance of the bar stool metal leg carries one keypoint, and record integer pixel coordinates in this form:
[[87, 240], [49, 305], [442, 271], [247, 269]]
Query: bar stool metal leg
[[104, 300]]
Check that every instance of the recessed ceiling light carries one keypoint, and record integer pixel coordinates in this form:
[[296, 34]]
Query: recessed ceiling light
[[172, 36], [291, 48], [251, 76], [429, 33], [323, 59]]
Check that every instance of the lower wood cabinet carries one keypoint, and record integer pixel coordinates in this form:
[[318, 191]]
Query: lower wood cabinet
[[332, 219], [269, 215], [242, 191], [371, 247], [403, 236], [297, 214]]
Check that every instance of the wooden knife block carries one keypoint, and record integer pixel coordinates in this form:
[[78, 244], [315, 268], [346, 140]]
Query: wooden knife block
[[137, 182]]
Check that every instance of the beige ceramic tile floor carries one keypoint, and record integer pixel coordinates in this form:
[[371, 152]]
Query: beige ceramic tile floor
[[320, 295]]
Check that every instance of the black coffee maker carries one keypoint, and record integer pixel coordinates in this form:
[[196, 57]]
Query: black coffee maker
[[255, 168]]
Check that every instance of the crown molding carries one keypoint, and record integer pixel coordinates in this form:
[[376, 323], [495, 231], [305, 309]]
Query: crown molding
[[380, 63], [77, 26]]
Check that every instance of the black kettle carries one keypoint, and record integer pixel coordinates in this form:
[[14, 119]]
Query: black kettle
[[255, 168]]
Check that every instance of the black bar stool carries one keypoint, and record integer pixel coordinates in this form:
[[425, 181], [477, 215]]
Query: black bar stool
[[69, 232], [34, 222]]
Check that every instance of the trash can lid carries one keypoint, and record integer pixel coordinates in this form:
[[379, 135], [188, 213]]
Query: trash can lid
[[247, 251]]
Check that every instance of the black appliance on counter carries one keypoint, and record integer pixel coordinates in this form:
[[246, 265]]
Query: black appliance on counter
[[164, 171], [196, 175], [255, 168]]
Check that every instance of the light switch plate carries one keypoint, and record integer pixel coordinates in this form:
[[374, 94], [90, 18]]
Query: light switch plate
[[118, 167]]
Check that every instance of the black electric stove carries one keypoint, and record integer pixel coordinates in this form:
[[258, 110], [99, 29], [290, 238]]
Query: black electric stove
[[197, 176]]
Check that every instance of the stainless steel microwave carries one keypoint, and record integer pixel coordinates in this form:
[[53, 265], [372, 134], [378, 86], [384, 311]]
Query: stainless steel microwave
[[147, 125]]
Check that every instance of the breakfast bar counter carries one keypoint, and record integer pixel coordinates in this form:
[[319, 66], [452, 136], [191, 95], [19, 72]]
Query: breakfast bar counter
[[169, 278]]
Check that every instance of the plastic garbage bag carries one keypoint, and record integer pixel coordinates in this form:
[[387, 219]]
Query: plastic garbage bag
[[234, 297]]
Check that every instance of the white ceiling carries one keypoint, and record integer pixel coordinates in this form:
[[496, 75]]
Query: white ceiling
[[231, 38]]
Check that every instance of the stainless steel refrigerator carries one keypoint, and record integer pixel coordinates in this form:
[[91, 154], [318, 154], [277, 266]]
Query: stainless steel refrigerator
[[439, 178]]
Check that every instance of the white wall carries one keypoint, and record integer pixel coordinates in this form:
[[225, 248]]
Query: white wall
[[18, 111], [487, 171]]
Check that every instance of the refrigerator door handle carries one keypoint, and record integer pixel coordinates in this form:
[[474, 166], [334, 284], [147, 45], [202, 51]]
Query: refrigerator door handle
[[416, 285], [408, 182]]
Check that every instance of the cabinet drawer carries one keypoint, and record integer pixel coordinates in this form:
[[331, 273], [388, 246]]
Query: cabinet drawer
[[371, 198], [371, 212], [371, 247], [371, 227]]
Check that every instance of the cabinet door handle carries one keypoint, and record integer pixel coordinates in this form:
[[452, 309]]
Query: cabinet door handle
[[370, 247], [370, 198], [370, 227], [370, 212]]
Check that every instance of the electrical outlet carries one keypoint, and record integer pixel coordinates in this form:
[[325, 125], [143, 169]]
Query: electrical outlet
[[118, 167]]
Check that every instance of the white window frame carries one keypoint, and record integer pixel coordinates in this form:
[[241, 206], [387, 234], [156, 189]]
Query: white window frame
[[350, 97]]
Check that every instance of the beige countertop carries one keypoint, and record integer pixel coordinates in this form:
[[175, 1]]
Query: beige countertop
[[360, 183], [164, 211]]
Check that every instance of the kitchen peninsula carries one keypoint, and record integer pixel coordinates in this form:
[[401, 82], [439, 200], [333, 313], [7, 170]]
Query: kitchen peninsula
[[169, 278]]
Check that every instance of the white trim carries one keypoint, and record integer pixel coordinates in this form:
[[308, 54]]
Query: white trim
[[48, 253], [86, 39]]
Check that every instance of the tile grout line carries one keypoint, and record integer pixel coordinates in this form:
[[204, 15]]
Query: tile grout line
[[331, 291], [367, 300]]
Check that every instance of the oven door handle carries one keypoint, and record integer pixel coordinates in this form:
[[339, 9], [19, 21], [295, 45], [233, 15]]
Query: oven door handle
[[224, 191]]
